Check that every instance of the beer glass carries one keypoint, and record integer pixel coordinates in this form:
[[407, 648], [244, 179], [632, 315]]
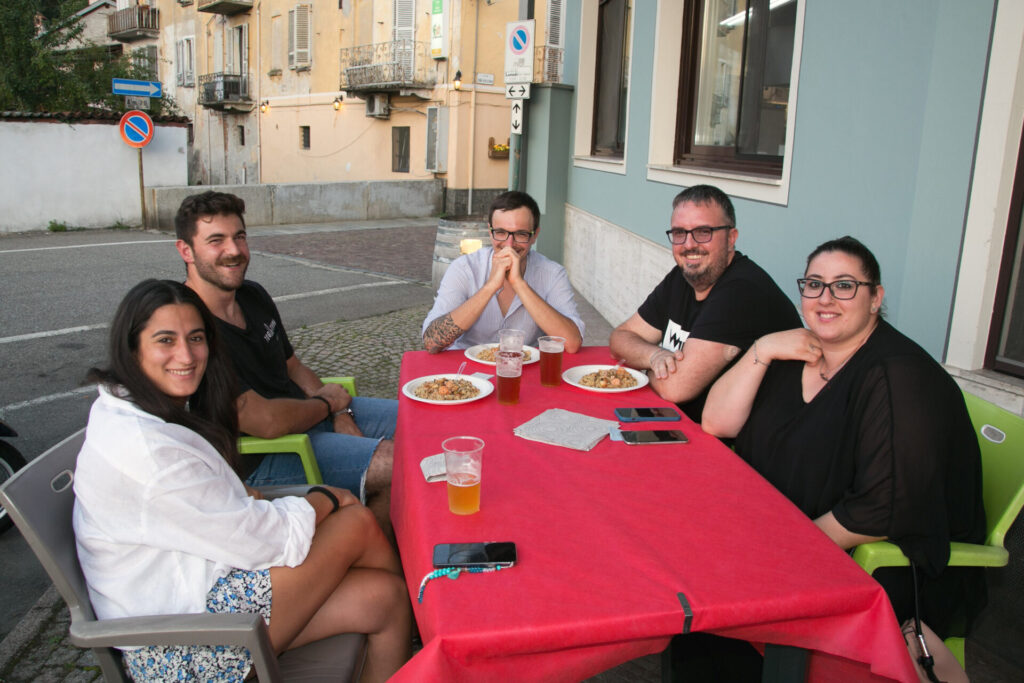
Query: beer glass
[[551, 349], [509, 365], [463, 459]]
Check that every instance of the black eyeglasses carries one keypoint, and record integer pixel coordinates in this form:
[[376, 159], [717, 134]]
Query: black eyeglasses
[[700, 235], [840, 289], [501, 235]]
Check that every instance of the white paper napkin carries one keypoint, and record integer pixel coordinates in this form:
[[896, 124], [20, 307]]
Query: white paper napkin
[[565, 428]]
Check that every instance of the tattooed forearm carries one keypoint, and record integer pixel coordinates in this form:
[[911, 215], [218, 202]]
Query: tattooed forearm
[[441, 334]]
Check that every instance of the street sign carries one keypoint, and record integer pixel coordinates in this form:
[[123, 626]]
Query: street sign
[[519, 51], [136, 128], [517, 117], [133, 102], [517, 91], [123, 86]]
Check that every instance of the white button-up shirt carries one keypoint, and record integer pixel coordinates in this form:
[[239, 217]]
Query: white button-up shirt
[[467, 275], [160, 516]]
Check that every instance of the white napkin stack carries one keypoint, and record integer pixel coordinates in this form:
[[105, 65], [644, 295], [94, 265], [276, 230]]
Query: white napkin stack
[[564, 428]]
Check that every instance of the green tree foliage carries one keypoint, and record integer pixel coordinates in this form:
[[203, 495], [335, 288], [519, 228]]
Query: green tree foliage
[[45, 66]]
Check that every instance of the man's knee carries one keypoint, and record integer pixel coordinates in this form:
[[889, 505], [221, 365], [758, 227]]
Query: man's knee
[[379, 471]]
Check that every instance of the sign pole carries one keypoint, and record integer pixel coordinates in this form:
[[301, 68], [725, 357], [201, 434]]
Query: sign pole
[[142, 190]]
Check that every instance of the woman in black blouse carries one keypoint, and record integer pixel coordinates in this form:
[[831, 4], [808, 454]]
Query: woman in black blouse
[[864, 432]]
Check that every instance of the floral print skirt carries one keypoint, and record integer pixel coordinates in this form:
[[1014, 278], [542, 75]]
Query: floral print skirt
[[239, 591]]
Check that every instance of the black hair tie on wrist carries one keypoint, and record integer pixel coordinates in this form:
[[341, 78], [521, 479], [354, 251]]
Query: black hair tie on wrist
[[326, 403], [327, 492]]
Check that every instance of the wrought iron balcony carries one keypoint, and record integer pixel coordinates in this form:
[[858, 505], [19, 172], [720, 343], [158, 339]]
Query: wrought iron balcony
[[225, 6], [134, 23], [225, 91], [387, 67]]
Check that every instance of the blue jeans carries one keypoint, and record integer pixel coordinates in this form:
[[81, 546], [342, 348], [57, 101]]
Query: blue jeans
[[342, 458]]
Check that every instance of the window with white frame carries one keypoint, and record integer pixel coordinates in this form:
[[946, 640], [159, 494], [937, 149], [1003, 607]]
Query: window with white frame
[[717, 116], [300, 53], [606, 45], [184, 62], [734, 84]]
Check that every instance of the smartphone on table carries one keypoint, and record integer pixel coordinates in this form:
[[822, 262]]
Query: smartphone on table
[[645, 437], [474, 555], [661, 414]]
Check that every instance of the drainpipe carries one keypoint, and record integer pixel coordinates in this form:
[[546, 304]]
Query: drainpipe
[[259, 97], [472, 111]]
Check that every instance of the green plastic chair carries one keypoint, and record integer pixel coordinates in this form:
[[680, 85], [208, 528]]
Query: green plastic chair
[[1001, 438], [294, 443]]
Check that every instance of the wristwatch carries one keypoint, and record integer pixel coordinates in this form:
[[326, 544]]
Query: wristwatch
[[346, 411]]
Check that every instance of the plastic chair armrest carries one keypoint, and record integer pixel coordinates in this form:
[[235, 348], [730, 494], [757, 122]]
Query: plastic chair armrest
[[971, 555], [245, 630], [284, 490], [871, 556], [289, 443], [348, 382]]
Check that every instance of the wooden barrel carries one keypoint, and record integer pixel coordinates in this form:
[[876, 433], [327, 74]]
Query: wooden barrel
[[448, 243]]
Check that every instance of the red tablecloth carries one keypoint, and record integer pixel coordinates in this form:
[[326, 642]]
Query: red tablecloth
[[612, 542]]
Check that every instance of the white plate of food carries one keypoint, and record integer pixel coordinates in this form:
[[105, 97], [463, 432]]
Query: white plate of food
[[605, 379], [530, 354], [447, 389]]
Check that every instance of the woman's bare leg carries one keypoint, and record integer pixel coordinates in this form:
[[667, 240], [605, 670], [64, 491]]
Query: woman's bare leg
[[370, 601], [347, 539]]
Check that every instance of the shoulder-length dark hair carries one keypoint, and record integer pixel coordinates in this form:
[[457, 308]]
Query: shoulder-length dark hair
[[211, 409]]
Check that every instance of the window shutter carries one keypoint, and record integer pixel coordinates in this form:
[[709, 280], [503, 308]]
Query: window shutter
[[190, 61], [179, 62], [553, 51], [404, 33], [299, 37]]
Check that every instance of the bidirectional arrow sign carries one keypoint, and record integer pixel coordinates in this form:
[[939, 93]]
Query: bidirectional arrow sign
[[517, 117], [123, 86], [517, 91], [136, 128]]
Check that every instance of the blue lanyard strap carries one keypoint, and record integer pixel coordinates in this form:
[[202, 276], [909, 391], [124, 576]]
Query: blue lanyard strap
[[453, 573]]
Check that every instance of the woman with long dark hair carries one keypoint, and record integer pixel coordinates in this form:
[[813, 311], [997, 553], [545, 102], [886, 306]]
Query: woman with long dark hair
[[165, 526]]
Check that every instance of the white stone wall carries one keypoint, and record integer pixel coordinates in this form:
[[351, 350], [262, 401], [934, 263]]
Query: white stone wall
[[613, 268], [81, 174]]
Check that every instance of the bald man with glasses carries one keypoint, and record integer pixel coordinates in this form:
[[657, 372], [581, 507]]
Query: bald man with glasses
[[504, 285], [707, 311]]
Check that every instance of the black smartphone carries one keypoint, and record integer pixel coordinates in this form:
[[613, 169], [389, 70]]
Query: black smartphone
[[474, 555], [654, 436], [646, 414]]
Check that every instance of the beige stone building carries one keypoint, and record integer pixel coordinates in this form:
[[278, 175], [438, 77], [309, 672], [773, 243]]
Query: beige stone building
[[280, 91]]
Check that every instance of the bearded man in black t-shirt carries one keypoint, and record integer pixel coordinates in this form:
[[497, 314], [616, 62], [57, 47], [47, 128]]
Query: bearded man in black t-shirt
[[707, 311]]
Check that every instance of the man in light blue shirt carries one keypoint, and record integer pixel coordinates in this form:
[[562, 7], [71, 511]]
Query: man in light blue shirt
[[504, 285]]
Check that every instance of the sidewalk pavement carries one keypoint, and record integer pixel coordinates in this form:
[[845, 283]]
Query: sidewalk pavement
[[37, 650]]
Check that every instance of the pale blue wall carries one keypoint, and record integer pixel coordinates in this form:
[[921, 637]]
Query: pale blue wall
[[889, 100]]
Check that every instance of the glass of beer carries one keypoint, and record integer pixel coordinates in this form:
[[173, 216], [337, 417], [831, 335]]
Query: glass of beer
[[551, 349], [463, 458], [509, 365]]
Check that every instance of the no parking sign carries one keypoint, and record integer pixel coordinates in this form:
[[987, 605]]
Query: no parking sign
[[519, 51], [136, 128]]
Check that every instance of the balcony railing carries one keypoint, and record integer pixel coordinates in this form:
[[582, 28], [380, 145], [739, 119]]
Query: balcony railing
[[224, 91], [134, 23], [225, 6], [390, 66]]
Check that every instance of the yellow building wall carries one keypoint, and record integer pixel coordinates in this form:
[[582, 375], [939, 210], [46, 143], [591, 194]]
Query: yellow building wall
[[346, 145]]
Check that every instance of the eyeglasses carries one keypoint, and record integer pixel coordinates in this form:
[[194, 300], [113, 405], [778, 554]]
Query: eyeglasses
[[699, 235], [502, 235], [840, 289]]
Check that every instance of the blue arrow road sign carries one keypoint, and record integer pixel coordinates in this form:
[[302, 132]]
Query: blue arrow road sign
[[123, 86]]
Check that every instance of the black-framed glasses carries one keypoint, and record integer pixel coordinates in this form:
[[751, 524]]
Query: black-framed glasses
[[700, 235], [501, 235], [840, 289]]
